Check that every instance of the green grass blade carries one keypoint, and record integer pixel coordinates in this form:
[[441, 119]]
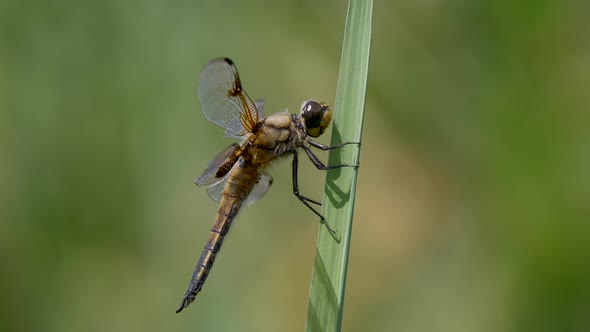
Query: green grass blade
[[326, 298]]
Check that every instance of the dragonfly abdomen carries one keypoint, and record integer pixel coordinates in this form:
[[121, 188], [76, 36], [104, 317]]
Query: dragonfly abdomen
[[239, 184]]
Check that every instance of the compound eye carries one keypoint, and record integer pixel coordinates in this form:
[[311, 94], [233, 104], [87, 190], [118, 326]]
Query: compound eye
[[316, 117], [311, 113]]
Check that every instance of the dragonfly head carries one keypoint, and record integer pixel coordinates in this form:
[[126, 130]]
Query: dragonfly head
[[316, 117]]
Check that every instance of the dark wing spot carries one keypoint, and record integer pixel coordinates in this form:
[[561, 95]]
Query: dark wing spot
[[226, 167], [237, 88]]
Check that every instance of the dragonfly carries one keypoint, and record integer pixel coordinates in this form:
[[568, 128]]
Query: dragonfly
[[238, 175]]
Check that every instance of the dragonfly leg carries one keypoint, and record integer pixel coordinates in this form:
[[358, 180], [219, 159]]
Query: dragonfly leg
[[319, 164], [326, 148], [304, 199]]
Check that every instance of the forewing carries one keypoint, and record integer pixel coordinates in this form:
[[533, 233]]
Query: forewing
[[223, 100], [229, 134], [264, 183], [219, 167], [259, 105]]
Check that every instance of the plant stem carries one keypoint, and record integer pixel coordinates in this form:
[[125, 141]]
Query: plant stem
[[326, 298]]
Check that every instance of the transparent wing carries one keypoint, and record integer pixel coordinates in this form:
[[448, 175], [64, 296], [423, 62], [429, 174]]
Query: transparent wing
[[215, 191], [219, 166], [229, 134], [264, 183], [259, 105], [224, 101]]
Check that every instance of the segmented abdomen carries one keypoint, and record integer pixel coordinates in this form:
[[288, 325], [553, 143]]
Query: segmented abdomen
[[240, 182]]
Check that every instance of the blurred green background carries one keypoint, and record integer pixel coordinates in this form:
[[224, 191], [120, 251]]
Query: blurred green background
[[474, 196]]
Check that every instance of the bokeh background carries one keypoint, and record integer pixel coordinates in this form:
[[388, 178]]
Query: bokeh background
[[473, 195]]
